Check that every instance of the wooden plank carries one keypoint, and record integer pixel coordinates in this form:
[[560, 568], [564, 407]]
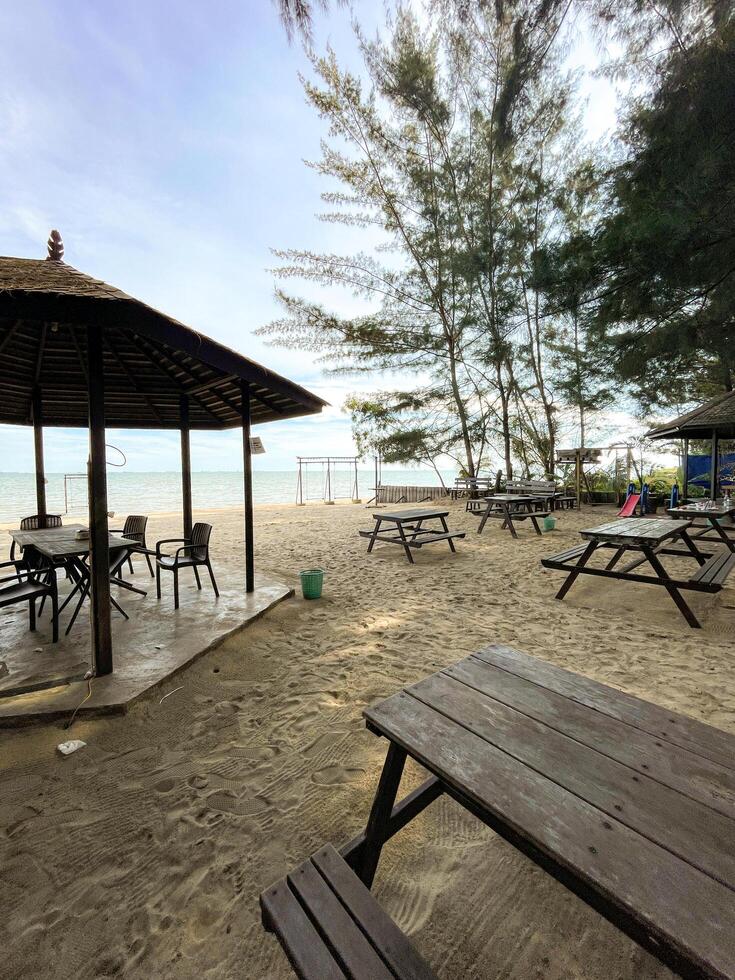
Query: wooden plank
[[681, 769], [411, 515], [716, 570], [302, 944], [689, 733], [684, 909], [431, 538], [395, 948], [565, 556], [636, 530], [691, 830], [345, 940]]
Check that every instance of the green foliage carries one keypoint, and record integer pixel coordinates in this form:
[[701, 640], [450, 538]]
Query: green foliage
[[442, 153]]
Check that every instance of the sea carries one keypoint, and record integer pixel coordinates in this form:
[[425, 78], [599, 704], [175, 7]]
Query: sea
[[149, 493]]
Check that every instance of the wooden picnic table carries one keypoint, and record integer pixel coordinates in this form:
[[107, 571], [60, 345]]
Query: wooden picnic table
[[629, 805], [651, 537], [509, 507], [407, 529], [713, 517], [60, 546]]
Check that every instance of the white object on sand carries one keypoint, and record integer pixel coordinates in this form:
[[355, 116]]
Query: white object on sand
[[66, 748]]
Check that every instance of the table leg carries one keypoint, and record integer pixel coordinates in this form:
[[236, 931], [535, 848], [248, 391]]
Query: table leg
[[572, 577], [615, 559], [670, 588], [416, 528], [402, 535], [721, 534], [534, 521], [485, 516], [508, 522], [686, 538], [376, 832], [378, 522], [446, 531]]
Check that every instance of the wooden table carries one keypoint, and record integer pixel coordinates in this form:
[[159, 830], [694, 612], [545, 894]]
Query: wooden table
[[713, 516], [506, 507], [60, 546], [629, 805], [651, 537], [406, 528]]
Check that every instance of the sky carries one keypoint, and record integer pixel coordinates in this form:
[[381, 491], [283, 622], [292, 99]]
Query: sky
[[166, 141]]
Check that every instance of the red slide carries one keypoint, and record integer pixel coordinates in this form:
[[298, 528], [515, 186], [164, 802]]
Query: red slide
[[628, 508]]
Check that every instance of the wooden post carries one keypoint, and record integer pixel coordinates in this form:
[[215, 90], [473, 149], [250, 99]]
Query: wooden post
[[685, 473], [185, 464], [37, 408], [713, 466], [98, 529], [248, 487]]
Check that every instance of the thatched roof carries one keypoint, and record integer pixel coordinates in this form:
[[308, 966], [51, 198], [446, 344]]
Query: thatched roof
[[150, 359], [716, 414]]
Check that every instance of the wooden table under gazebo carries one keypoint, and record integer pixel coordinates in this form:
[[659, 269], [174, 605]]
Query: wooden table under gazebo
[[77, 352]]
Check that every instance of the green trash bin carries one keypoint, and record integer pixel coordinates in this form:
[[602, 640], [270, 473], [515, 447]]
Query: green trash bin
[[549, 523], [311, 583]]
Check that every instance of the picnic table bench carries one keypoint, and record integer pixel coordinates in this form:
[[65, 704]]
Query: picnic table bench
[[406, 528], [627, 804], [651, 537], [510, 507]]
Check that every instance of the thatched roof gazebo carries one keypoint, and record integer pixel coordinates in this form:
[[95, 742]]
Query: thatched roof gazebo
[[713, 421], [75, 351]]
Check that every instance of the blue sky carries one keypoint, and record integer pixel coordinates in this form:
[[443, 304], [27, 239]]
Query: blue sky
[[166, 142]]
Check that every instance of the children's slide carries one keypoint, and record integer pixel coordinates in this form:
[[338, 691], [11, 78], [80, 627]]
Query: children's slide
[[628, 508]]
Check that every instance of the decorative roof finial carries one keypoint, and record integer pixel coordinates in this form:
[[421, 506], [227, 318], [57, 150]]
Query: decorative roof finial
[[55, 247]]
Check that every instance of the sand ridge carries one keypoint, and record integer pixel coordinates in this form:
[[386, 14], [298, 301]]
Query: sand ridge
[[143, 854]]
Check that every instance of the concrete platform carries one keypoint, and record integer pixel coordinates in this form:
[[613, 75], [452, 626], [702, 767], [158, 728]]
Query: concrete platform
[[155, 643]]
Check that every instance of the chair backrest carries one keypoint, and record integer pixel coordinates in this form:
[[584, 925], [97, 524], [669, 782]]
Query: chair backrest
[[200, 539], [134, 527], [531, 486], [35, 522]]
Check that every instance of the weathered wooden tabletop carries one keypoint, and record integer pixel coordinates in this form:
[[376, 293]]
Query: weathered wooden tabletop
[[407, 516], [630, 805], [636, 530], [61, 542]]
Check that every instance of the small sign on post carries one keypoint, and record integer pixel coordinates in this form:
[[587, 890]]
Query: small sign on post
[[256, 445]]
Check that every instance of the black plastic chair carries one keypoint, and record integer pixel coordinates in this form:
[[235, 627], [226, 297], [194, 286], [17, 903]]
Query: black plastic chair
[[192, 554], [134, 530], [35, 523], [28, 584]]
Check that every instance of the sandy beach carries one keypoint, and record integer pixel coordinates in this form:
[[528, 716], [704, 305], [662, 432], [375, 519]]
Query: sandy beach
[[143, 854]]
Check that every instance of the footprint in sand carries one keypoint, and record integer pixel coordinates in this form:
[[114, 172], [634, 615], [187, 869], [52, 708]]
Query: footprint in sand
[[224, 802], [164, 785], [336, 775]]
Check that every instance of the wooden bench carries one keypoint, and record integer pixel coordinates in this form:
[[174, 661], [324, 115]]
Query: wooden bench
[[430, 536], [714, 572], [331, 927], [545, 490]]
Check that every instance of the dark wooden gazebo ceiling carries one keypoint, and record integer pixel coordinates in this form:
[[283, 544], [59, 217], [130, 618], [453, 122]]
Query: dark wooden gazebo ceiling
[[717, 416], [150, 359]]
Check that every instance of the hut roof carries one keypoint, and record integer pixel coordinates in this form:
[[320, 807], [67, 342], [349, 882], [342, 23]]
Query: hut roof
[[150, 359], [718, 414]]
